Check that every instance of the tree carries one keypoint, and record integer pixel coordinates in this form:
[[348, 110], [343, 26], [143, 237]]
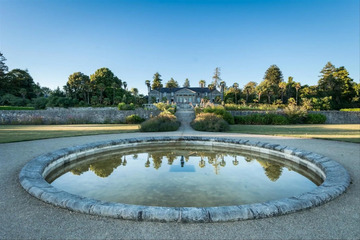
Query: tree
[[236, 86], [297, 87], [106, 77], [211, 87], [172, 84], [134, 91], [186, 83], [23, 93], [17, 79], [282, 88], [157, 81], [273, 77], [290, 86], [216, 78], [222, 89], [77, 83], [125, 85], [202, 83], [3, 67], [101, 88], [260, 89], [147, 82], [249, 89], [335, 82]]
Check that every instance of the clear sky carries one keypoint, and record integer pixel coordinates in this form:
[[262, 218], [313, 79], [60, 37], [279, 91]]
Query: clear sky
[[179, 38]]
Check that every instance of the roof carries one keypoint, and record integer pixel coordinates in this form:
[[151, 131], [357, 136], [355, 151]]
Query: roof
[[195, 89]]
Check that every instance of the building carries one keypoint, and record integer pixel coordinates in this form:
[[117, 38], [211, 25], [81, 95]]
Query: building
[[184, 95]]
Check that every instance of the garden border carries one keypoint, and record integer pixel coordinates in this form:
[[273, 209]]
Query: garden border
[[336, 181]]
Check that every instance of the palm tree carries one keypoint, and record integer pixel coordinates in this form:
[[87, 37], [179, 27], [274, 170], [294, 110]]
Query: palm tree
[[297, 87], [222, 89], [211, 87], [147, 82], [202, 83], [282, 87], [134, 91], [249, 89], [102, 88], [236, 86]]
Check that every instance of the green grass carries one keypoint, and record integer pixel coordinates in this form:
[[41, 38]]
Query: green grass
[[350, 110], [338, 132], [17, 133]]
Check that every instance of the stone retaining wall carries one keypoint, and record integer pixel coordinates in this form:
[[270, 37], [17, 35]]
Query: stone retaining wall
[[71, 115], [332, 117]]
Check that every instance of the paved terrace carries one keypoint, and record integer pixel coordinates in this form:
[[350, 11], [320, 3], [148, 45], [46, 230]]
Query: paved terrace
[[25, 217]]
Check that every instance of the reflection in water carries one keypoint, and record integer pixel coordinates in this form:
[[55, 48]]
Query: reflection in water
[[217, 161], [183, 177]]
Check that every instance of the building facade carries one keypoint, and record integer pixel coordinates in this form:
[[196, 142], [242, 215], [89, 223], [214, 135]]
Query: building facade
[[184, 95]]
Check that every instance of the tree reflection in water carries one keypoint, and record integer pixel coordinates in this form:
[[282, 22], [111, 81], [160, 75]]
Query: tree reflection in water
[[105, 168]]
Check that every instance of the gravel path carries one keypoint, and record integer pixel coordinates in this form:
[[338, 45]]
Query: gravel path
[[25, 217]]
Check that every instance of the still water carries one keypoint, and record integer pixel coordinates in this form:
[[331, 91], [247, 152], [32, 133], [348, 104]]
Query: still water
[[184, 177]]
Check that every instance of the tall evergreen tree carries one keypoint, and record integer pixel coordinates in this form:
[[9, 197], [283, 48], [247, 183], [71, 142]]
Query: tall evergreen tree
[[216, 78], [172, 84], [157, 81], [186, 83], [273, 77]]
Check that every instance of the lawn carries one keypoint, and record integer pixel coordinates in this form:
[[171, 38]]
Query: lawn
[[16, 133], [338, 132]]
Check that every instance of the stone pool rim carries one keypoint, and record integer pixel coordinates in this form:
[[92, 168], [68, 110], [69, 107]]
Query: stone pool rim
[[336, 181]]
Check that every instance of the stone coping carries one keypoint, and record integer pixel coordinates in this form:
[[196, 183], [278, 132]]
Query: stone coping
[[336, 180]]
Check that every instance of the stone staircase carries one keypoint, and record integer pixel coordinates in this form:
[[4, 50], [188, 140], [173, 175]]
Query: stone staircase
[[185, 116]]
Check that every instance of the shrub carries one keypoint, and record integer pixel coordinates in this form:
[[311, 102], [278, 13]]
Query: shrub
[[161, 123], [40, 103], [163, 106], [220, 111], [124, 106], [295, 113], [315, 118], [134, 119], [209, 122]]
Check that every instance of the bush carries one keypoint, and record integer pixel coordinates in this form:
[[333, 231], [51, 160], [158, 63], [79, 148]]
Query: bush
[[315, 118], [295, 113], [134, 119], [124, 106], [161, 123], [220, 111], [209, 122], [163, 106], [40, 103]]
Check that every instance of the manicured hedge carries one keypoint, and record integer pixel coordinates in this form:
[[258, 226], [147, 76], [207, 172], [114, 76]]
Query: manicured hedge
[[315, 118]]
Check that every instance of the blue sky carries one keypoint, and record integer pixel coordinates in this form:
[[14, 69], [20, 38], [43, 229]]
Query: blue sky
[[179, 38]]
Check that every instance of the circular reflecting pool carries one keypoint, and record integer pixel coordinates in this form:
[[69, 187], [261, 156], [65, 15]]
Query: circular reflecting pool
[[184, 176]]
